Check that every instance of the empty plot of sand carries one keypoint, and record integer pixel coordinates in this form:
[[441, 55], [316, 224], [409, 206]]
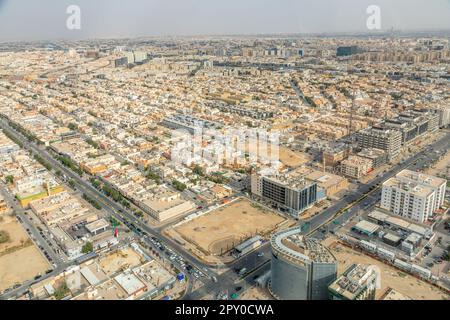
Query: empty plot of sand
[[390, 276], [21, 265], [20, 260], [120, 260], [293, 159], [15, 231], [286, 156], [224, 228], [441, 167]]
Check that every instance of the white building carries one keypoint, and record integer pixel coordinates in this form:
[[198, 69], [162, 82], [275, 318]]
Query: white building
[[437, 184], [412, 195]]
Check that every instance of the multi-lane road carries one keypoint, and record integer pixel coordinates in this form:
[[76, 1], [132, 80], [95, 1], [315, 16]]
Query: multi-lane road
[[39, 240], [258, 261], [115, 209], [364, 197]]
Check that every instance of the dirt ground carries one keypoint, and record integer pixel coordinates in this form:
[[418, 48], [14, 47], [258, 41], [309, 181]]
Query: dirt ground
[[293, 159], [120, 260], [17, 234], [256, 293], [441, 167], [24, 261], [286, 156], [226, 227], [390, 276], [21, 265]]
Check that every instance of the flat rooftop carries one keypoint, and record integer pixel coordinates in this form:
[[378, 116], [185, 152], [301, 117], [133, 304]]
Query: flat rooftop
[[129, 282], [414, 188], [353, 281], [366, 227], [325, 179], [421, 178], [292, 244], [293, 180]]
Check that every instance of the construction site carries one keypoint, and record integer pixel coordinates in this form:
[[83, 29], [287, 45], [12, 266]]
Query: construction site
[[216, 233]]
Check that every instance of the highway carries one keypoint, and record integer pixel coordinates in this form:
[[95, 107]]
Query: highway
[[363, 189], [58, 264], [365, 196], [109, 205]]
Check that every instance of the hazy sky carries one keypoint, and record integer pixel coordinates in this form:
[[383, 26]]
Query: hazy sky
[[46, 19]]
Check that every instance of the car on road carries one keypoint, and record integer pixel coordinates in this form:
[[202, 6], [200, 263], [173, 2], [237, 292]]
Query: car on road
[[261, 254]]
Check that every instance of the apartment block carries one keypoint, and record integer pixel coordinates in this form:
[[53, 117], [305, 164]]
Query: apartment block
[[356, 167], [378, 137], [293, 194]]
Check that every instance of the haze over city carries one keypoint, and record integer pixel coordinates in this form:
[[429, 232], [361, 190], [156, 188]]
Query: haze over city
[[45, 19]]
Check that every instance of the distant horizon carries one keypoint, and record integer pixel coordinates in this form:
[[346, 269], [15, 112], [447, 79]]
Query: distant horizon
[[381, 33], [45, 20]]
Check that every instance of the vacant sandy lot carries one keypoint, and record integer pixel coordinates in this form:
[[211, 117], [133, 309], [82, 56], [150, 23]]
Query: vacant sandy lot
[[20, 260], [390, 276], [293, 159], [286, 156], [256, 293], [224, 228], [17, 234], [120, 260], [441, 167], [21, 265]]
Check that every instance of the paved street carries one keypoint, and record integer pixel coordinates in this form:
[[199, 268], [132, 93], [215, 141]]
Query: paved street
[[226, 281]]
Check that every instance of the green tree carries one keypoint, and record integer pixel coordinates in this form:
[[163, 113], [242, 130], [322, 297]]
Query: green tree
[[178, 185], [9, 179], [93, 143], [62, 291], [198, 170], [87, 248]]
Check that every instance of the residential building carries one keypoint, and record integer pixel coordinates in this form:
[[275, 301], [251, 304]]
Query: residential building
[[381, 138], [357, 283], [411, 200], [290, 193], [356, 167]]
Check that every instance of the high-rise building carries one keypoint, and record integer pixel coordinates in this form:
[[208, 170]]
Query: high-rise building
[[378, 137], [358, 282], [140, 56], [302, 268], [412, 195], [347, 51], [439, 185], [130, 57], [290, 193], [413, 124]]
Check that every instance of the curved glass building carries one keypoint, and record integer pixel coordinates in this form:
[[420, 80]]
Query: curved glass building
[[302, 268]]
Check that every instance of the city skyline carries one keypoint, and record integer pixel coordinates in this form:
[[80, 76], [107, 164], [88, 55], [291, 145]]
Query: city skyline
[[23, 20], [194, 150]]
